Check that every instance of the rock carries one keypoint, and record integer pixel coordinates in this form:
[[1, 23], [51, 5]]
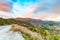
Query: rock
[[6, 34]]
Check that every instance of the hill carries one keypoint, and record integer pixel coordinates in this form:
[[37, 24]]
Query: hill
[[38, 22], [19, 22], [49, 30]]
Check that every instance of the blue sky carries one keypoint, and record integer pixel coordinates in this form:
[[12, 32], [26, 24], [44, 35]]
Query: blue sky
[[39, 9]]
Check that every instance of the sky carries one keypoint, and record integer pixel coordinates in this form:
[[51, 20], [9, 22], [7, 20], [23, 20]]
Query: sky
[[37, 9]]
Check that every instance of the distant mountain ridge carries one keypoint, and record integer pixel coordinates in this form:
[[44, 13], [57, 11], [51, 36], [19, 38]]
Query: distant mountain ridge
[[50, 25], [37, 21]]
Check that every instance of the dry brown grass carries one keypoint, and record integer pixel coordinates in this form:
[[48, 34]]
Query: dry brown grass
[[25, 30]]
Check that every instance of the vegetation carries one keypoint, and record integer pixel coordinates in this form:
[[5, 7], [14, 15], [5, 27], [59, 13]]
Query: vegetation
[[19, 22], [48, 31]]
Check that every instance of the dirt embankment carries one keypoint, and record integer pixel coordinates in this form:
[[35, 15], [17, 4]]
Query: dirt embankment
[[16, 27]]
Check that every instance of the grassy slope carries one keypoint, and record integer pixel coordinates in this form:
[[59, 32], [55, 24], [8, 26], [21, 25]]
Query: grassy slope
[[21, 23], [13, 21], [46, 34]]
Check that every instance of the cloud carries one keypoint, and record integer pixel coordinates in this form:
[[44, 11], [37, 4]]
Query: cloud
[[39, 10], [42, 9], [6, 15], [56, 10], [24, 11], [6, 5], [47, 5]]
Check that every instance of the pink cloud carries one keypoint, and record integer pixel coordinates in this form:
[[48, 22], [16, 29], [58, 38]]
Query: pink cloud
[[30, 12]]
